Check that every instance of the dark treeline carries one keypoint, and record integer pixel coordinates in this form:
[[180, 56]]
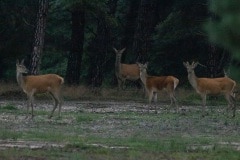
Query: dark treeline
[[80, 36]]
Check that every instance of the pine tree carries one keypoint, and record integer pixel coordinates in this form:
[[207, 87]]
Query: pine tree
[[223, 26], [39, 37]]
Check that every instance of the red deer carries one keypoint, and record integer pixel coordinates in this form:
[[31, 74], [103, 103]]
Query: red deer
[[34, 84], [211, 86], [124, 72], [153, 84]]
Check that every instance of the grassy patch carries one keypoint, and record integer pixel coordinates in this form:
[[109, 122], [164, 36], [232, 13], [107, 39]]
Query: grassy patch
[[9, 134], [76, 153], [85, 118], [9, 107], [115, 125]]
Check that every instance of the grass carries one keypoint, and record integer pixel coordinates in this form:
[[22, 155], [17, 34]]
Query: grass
[[8, 107], [111, 125], [91, 153], [164, 134]]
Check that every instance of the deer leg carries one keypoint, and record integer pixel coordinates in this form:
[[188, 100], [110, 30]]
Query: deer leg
[[150, 96], [143, 87], [170, 91], [119, 83], [171, 95], [233, 103], [32, 106], [227, 97], [28, 105], [56, 102], [123, 84], [173, 99], [31, 102], [60, 105], [155, 97], [155, 100], [203, 104]]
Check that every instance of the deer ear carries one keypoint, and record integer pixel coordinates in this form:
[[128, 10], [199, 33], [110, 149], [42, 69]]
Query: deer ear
[[115, 50], [146, 64], [186, 64], [122, 50], [17, 62], [22, 62], [195, 65]]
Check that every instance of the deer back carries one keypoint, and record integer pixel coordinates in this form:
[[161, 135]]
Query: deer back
[[43, 83], [130, 71], [161, 82], [215, 85]]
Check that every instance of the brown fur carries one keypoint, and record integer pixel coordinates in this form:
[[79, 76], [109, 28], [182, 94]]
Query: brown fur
[[124, 72], [153, 84], [130, 71], [43, 83], [35, 84], [211, 86], [216, 86], [159, 83]]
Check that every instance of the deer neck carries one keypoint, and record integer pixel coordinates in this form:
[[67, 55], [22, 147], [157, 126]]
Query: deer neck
[[118, 65], [21, 79], [193, 80], [143, 77]]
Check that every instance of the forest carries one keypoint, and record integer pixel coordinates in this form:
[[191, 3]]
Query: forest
[[84, 42], [75, 38]]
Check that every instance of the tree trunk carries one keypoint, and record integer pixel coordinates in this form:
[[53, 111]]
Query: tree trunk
[[218, 59], [75, 55], [99, 48], [130, 26], [145, 26], [35, 60], [98, 53]]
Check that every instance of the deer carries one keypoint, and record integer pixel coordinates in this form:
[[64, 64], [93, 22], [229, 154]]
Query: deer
[[36, 84], [125, 72], [211, 86], [153, 84]]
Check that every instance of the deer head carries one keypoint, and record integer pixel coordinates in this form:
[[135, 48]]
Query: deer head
[[20, 67]]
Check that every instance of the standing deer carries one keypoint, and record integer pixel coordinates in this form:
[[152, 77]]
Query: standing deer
[[211, 86], [153, 84], [34, 84], [124, 71]]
